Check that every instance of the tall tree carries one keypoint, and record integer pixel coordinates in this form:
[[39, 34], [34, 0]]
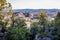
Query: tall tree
[[57, 20], [42, 17], [2, 3], [57, 25]]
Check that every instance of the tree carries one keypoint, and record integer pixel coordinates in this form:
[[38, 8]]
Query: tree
[[5, 17], [3, 2], [57, 20], [43, 17], [1, 7], [18, 32], [42, 28], [3, 22], [57, 25], [15, 20], [10, 5], [35, 29]]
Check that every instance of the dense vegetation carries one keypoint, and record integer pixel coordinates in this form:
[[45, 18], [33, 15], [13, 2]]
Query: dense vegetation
[[16, 30]]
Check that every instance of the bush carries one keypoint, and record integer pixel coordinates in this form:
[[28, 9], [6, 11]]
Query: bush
[[16, 33]]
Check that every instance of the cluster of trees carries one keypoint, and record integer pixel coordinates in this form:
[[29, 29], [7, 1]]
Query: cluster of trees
[[42, 30], [45, 30]]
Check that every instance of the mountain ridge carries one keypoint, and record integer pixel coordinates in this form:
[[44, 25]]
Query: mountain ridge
[[50, 12]]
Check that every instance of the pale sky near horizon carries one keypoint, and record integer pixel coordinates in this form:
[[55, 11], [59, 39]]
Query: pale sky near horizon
[[35, 4]]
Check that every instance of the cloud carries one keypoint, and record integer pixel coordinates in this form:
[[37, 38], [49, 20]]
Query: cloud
[[35, 4]]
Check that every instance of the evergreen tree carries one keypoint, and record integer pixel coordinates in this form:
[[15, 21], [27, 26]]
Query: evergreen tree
[[15, 33], [57, 25], [57, 20], [43, 17]]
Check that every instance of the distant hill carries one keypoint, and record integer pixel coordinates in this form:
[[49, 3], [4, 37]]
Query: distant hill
[[50, 12], [35, 10]]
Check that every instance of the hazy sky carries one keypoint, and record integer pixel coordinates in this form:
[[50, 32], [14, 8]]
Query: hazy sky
[[35, 4]]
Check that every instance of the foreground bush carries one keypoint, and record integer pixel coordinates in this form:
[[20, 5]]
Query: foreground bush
[[16, 33]]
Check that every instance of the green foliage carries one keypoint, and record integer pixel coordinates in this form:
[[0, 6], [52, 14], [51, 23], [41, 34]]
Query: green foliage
[[19, 22], [57, 25], [17, 33], [47, 29], [1, 7], [3, 2], [42, 17], [58, 16], [16, 21], [10, 5], [57, 20]]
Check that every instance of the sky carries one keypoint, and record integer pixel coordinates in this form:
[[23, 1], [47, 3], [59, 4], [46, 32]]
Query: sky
[[35, 4]]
